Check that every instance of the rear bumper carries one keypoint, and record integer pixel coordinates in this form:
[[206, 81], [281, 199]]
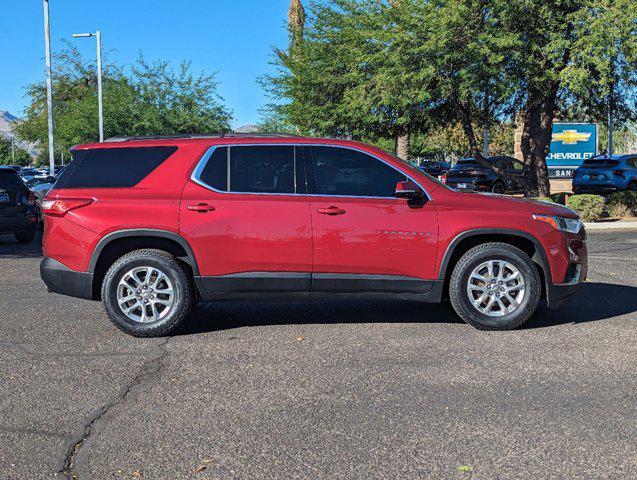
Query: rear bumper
[[474, 185], [18, 223], [61, 279], [595, 188]]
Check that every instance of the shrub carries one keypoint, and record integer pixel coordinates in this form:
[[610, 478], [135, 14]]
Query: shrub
[[589, 207], [622, 202], [544, 199], [619, 210], [560, 197]]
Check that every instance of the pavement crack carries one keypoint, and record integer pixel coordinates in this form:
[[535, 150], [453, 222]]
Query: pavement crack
[[74, 465]]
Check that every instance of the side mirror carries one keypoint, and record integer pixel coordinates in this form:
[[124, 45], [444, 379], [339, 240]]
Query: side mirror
[[408, 189]]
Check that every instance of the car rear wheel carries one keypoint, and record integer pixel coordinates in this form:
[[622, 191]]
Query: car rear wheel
[[495, 286], [632, 186], [498, 187], [25, 237], [146, 293]]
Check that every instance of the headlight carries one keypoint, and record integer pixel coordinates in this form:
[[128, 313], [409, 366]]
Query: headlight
[[571, 225]]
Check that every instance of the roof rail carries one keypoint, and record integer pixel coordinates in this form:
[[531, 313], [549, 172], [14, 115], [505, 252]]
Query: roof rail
[[197, 135]]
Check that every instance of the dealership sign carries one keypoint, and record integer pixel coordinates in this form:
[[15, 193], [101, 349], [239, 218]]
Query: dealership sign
[[571, 144]]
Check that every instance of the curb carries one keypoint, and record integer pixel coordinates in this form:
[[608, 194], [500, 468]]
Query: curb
[[591, 226]]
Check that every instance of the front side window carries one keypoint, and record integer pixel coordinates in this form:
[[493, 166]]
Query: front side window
[[345, 172], [251, 169]]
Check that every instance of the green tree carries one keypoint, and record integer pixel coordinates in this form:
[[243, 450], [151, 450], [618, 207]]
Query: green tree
[[271, 121], [22, 157], [378, 69], [572, 52], [153, 99], [350, 77]]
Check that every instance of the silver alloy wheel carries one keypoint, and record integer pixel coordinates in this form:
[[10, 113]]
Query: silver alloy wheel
[[145, 294], [496, 288]]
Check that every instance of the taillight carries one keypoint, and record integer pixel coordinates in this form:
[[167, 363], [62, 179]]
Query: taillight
[[619, 173], [61, 206], [443, 178]]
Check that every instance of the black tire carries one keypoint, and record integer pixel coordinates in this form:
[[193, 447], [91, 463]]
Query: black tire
[[25, 237], [632, 186], [181, 285], [498, 187], [459, 283]]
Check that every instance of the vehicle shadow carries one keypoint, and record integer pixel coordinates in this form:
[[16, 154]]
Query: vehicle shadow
[[596, 301], [11, 248]]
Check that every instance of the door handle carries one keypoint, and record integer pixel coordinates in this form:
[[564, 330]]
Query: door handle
[[331, 211], [202, 208]]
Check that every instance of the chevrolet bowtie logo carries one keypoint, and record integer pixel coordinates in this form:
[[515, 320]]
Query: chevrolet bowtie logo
[[570, 137]]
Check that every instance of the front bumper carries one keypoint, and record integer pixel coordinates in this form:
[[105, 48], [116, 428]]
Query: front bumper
[[561, 293], [61, 279]]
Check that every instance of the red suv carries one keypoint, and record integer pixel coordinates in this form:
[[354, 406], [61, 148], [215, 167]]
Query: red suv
[[151, 225]]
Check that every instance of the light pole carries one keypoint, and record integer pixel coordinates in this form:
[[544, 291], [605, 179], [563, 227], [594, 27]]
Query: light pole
[[49, 86], [98, 37]]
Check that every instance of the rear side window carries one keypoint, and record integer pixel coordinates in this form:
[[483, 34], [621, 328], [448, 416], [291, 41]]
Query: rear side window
[[112, 167], [215, 171], [267, 169], [251, 169], [10, 180]]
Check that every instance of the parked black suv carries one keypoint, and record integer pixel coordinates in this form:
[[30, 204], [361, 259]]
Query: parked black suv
[[468, 174], [18, 212], [435, 168]]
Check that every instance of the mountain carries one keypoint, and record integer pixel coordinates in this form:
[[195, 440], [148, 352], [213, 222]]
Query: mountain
[[6, 121], [249, 128]]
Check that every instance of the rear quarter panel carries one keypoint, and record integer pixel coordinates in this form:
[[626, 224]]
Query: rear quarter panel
[[151, 204]]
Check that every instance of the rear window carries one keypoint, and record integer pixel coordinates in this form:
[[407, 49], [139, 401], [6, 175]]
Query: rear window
[[10, 180], [466, 165], [112, 167], [600, 163]]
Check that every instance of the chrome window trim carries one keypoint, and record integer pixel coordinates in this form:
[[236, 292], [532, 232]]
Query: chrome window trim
[[208, 153]]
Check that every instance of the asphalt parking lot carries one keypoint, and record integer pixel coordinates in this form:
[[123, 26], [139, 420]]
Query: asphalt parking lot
[[341, 389]]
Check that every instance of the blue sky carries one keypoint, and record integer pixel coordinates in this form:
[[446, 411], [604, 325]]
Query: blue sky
[[233, 38]]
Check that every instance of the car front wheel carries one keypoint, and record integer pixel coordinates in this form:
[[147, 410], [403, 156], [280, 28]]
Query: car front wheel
[[495, 286], [146, 293]]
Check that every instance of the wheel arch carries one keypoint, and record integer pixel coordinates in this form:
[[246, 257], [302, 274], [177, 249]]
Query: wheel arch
[[518, 238], [116, 244]]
